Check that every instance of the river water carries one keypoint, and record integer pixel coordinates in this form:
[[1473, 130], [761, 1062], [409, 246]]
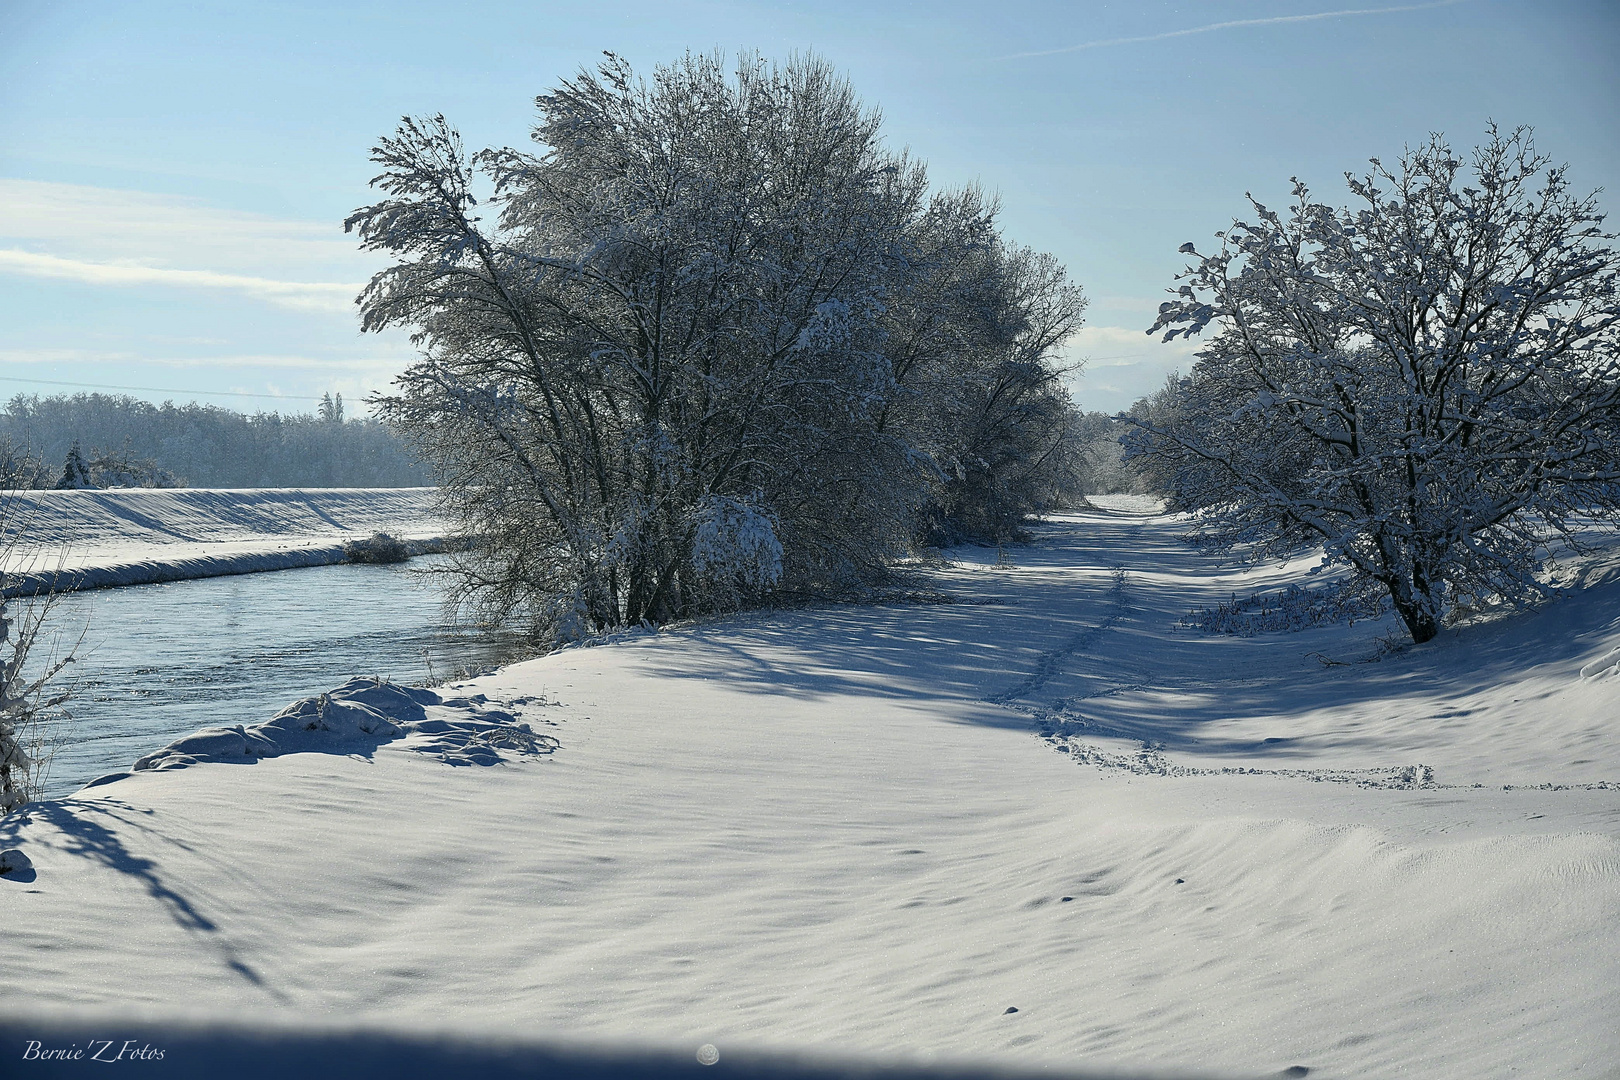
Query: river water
[[161, 661]]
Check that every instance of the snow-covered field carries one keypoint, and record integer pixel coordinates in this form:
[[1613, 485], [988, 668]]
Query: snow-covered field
[[131, 536], [920, 830]]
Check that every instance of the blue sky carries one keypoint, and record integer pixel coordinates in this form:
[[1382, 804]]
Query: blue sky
[[173, 176]]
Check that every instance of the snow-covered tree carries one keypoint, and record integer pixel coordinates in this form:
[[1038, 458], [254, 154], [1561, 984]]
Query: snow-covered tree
[[75, 470], [974, 343], [1101, 465], [1426, 383], [680, 343]]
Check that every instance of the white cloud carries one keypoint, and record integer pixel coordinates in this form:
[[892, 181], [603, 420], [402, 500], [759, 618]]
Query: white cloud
[[1146, 304], [1123, 364], [1124, 346], [211, 263], [62, 356], [307, 295], [188, 339], [110, 237], [112, 225]]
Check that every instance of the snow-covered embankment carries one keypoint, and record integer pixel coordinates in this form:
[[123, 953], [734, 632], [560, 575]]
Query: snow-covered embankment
[[135, 536]]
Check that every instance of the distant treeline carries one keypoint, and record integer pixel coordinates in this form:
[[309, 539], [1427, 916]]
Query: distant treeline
[[106, 440]]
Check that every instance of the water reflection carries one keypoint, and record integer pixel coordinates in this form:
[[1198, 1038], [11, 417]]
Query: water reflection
[[161, 661]]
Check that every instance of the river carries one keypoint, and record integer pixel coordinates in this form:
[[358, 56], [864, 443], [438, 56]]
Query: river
[[160, 661]]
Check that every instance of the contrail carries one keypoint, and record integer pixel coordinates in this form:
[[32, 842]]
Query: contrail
[[1228, 26]]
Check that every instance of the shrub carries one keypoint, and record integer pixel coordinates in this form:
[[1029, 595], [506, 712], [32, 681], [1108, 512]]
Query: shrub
[[1295, 608], [379, 548]]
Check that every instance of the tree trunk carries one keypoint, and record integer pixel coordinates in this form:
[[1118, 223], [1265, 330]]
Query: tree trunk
[[1417, 610]]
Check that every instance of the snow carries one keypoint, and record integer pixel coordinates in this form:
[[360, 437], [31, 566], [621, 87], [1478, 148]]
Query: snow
[[735, 540], [355, 718], [135, 536], [876, 830]]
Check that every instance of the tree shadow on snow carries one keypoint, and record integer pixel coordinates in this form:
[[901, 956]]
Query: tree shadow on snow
[[88, 829], [1083, 631]]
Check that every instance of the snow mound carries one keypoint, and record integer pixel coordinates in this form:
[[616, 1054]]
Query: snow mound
[[1606, 664], [356, 718], [401, 703], [478, 740], [15, 865]]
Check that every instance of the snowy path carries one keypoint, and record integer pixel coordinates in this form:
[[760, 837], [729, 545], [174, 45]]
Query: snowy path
[[841, 829]]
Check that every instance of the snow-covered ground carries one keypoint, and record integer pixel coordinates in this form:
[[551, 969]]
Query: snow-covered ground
[[917, 830], [131, 536]]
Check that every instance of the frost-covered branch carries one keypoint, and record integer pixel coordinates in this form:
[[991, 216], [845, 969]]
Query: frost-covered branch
[[1407, 380]]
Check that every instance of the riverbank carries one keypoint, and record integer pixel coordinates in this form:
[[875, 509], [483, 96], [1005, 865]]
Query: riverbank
[[136, 536], [1044, 824], [161, 661]]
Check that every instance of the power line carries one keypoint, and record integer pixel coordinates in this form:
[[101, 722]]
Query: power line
[[160, 389]]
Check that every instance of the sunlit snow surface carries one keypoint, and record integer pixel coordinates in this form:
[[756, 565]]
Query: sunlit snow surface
[[878, 829], [129, 536]]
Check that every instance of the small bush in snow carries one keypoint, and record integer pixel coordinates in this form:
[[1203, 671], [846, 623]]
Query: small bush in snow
[[20, 467], [1295, 608], [123, 469], [30, 707], [380, 548]]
